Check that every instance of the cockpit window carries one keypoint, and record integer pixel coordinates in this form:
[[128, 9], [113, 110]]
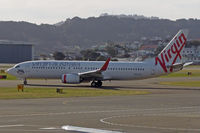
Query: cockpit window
[[17, 66]]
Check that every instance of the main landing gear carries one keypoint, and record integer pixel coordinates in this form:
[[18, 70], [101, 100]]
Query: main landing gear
[[96, 83]]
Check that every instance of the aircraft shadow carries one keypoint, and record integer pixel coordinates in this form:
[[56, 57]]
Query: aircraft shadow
[[159, 88], [114, 87], [83, 86]]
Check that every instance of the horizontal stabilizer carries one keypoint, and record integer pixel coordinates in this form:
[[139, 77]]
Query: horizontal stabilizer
[[179, 65], [187, 64]]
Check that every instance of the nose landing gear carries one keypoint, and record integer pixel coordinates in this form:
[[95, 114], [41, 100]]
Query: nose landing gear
[[25, 82], [96, 83]]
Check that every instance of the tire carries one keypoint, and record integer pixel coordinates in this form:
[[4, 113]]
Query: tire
[[96, 83], [99, 83], [93, 84]]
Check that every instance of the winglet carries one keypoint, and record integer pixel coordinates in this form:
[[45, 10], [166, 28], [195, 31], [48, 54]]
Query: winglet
[[104, 67]]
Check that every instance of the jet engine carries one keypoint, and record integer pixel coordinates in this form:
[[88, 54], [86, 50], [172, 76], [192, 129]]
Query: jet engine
[[70, 78]]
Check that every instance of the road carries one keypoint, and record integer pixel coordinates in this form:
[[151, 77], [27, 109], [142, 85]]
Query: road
[[166, 110]]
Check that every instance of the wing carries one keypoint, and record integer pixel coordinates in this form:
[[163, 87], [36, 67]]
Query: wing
[[95, 74]]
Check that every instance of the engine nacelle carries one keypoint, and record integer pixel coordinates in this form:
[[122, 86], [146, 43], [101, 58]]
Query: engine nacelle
[[70, 78]]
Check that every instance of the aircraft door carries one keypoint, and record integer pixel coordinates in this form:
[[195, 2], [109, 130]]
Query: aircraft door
[[27, 69], [153, 71]]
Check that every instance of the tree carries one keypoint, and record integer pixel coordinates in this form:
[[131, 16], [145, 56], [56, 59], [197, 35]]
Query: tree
[[159, 49], [58, 55], [127, 55], [43, 56], [111, 51], [114, 59], [101, 58], [90, 54]]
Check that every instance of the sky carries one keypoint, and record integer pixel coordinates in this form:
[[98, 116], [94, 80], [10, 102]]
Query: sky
[[53, 11]]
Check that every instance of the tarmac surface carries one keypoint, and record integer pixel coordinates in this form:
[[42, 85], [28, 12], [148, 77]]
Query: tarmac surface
[[168, 109]]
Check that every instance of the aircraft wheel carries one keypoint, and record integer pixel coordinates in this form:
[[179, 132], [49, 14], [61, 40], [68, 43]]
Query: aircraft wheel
[[96, 83], [93, 84], [99, 83]]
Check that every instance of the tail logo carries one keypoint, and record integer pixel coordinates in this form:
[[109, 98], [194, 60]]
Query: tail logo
[[171, 53]]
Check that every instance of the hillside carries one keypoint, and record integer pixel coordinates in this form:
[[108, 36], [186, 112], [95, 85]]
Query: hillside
[[94, 31]]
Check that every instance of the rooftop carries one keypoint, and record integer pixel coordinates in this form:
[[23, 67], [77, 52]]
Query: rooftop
[[15, 42], [148, 47]]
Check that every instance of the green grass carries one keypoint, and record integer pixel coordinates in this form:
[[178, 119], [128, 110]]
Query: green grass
[[12, 93], [4, 67], [183, 83], [9, 77], [193, 66], [194, 69], [183, 73]]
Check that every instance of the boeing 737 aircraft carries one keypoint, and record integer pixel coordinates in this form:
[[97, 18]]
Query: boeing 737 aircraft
[[75, 72]]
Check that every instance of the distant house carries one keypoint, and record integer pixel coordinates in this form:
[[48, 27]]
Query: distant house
[[148, 47], [192, 51], [133, 45]]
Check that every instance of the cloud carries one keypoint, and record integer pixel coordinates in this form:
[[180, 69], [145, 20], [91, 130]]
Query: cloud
[[52, 11]]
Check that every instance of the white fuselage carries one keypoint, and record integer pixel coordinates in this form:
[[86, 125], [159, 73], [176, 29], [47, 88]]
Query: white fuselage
[[115, 70]]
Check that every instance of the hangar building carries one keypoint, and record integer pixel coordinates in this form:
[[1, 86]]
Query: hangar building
[[15, 51]]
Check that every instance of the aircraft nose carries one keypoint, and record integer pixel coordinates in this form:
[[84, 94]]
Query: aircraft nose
[[9, 71]]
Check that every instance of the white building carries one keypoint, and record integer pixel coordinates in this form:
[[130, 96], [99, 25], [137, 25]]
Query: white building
[[192, 53]]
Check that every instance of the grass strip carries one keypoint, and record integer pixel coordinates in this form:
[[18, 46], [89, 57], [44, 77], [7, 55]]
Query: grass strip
[[183, 73], [9, 77], [182, 83], [30, 93]]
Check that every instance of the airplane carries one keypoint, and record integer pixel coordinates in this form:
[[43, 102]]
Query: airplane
[[74, 72]]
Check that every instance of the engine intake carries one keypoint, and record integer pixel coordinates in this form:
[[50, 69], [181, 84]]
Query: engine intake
[[70, 78]]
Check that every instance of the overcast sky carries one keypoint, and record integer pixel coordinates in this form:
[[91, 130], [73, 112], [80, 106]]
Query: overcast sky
[[53, 11]]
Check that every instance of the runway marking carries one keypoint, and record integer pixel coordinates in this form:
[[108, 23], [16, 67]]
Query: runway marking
[[87, 130], [19, 125], [102, 111], [105, 121], [50, 128]]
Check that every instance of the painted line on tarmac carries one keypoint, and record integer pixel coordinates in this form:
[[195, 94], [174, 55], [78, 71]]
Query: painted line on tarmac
[[80, 129], [6, 128], [105, 121], [49, 128], [18, 125], [102, 111], [86, 130]]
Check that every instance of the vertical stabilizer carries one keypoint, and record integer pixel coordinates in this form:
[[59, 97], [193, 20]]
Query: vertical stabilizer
[[172, 53]]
